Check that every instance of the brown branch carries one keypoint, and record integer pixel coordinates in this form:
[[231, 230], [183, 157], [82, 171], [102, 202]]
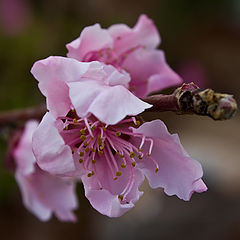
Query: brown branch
[[25, 114], [188, 99]]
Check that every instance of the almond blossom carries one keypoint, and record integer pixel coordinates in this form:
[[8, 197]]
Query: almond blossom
[[132, 50], [92, 131], [43, 194]]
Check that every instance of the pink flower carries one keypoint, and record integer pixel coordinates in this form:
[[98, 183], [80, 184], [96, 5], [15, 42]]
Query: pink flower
[[132, 50], [42, 193], [91, 132]]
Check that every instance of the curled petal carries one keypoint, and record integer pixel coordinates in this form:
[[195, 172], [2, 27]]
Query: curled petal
[[52, 154], [178, 173], [149, 72], [143, 34], [109, 104], [43, 194], [92, 38]]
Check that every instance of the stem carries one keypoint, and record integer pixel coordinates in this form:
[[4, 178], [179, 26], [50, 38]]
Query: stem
[[188, 99]]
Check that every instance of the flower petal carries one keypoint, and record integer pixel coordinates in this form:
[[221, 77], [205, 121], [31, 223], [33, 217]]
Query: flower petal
[[103, 192], [144, 33], [43, 194], [109, 104], [178, 173], [92, 38], [23, 154], [149, 72], [52, 74], [51, 153]]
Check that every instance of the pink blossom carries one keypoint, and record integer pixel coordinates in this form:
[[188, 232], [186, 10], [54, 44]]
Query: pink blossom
[[43, 194], [132, 50], [91, 132]]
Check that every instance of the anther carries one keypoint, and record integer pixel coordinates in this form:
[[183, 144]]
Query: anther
[[83, 137], [132, 154], [140, 156], [118, 133], [93, 150], [72, 151], [123, 165], [87, 149], [115, 178], [80, 160], [138, 123], [104, 129], [133, 164], [140, 150], [100, 153], [85, 144], [118, 173], [81, 154], [83, 131], [74, 121], [120, 197], [93, 161], [66, 128], [156, 170], [93, 128]]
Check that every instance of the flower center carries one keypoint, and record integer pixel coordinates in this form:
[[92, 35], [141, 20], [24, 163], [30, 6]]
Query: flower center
[[94, 141], [108, 56]]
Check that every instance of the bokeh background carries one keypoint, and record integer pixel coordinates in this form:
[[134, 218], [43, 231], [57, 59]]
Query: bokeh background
[[201, 40]]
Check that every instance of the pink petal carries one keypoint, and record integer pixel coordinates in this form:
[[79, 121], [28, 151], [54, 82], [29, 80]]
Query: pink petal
[[106, 200], [43, 194], [52, 154], [23, 154], [92, 38], [52, 74], [149, 72], [109, 104], [178, 173], [144, 33]]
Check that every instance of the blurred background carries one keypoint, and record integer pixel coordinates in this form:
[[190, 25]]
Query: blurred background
[[201, 40]]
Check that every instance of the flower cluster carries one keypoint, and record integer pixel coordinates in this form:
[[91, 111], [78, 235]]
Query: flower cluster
[[92, 131]]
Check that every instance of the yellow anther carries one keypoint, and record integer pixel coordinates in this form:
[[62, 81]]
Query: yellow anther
[[74, 121], [122, 156], [133, 164], [100, 153], [101, 147], [140, 150], [73, 110], [87, 149], [120, 197], [80, 160], [83, 137], [115, 178], [123, 165], [132, 154], [93, 173], [104, 129], [138, 123], [83, 131], [93, 150], [85, 144], [72, 151], [118, 174], [81, 154], [156, 170], [89, 174], [66, 128], [93, 161], [118, 133], [93, 128], [118, 152]]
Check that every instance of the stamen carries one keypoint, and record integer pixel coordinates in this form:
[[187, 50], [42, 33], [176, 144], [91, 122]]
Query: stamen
[[88, 127], [74, 121], [118, 133], [83, 131]]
